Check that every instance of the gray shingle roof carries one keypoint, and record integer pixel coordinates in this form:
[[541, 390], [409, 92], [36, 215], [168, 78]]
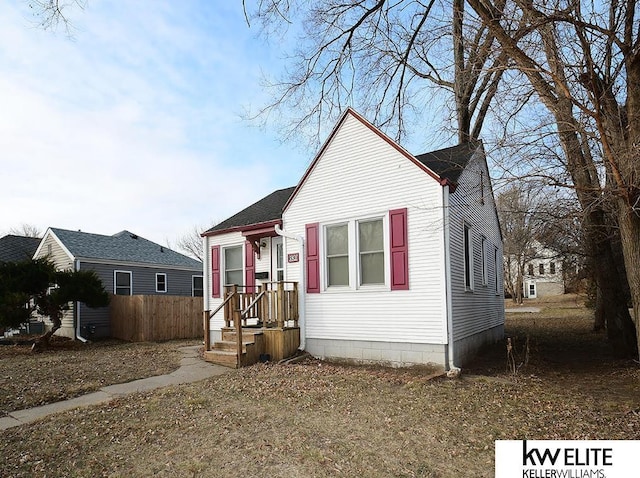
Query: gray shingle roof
[[449, 162], [269, 208], [17, 248], [122, 247]]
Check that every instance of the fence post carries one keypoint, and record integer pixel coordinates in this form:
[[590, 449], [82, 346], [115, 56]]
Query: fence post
[[207, 332], [281, 305], [237, 315]]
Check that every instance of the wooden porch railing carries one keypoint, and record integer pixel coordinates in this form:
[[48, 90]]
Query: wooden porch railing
[[271, 304]]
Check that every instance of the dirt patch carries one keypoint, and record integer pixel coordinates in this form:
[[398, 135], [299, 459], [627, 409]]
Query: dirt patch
[[321, 419]]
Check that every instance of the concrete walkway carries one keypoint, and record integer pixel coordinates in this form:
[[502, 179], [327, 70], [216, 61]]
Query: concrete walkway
[[192, 369], [516, 310]]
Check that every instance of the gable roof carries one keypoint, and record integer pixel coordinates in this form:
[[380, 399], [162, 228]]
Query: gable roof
[[121, 247], [448, 163], [17, 248], [437, 164], [266, 210]]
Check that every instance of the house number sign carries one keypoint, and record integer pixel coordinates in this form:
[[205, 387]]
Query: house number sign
[[293, 257]]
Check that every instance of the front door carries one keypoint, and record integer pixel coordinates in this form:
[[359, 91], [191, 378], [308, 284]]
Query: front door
[[277, 259]]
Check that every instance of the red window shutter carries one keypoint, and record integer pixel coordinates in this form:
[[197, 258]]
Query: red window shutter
[[313, 259], [399, 249], [215, 271], [249, 267]]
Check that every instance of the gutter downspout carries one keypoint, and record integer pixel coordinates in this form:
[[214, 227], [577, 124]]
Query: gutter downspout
[[76, 308], [302, 288], [452, 369]]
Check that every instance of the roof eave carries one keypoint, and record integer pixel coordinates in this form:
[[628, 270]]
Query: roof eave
[[245, 228]]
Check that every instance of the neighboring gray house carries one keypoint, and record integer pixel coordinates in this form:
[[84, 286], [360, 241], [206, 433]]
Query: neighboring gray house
[[126, 263], [17, 248]]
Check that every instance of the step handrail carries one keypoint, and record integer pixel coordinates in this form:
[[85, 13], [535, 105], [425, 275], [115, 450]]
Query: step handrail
[[222, 305]]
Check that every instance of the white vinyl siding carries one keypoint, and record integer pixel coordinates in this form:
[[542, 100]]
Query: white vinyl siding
[[63, 261], [484, 308], [359, 177]]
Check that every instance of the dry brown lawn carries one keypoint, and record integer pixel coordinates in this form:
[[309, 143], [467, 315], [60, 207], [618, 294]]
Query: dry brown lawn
[[319, 419]]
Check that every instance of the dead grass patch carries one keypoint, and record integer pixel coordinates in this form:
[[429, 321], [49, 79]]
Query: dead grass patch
[[317, 419], [70, 369]]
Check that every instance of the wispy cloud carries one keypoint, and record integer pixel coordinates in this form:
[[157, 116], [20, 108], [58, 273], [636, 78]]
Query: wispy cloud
[[134, 124]]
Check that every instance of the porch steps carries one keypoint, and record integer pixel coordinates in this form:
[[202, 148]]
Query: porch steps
[[224, 351]]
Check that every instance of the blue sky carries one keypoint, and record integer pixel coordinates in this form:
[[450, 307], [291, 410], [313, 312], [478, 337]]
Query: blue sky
[[135, 123]]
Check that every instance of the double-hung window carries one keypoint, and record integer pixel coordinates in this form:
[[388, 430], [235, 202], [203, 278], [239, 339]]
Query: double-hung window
[[337, 246], [354, 253], [196, 286], [161, 282], [483, 258], [233, 272], [367, 253], [371, 252], [122, 283], [468, 258]]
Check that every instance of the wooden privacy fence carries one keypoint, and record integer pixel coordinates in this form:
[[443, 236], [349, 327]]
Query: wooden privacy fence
[[150, 318]]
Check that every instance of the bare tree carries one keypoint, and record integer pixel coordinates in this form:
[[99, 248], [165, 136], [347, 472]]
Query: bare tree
[[27, 230], [583, 62], [517, 211], [386, 57], [52, 14], [191, 242]]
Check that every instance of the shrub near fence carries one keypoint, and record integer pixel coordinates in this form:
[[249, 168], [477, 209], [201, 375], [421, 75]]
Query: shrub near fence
[[150, 318]]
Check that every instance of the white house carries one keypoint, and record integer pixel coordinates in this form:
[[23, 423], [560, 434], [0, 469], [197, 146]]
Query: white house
[[391, 257], [543, 275]]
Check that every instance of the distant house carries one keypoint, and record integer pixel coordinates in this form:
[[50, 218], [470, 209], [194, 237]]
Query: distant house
[[391, 257], [17, 248], [543, 275], [126, 263]]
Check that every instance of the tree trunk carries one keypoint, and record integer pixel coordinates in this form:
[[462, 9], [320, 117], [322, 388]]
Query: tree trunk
[[42, 342], [630, 235]]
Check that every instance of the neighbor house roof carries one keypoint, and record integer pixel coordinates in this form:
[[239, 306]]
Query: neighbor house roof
[[448, 163], [17, 248], [266, 210], [124, 246]]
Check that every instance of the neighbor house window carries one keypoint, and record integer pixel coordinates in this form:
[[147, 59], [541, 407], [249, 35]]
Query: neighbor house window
[[483, 259], [541, 267], [552, 268], [371, 252], [161, 282], [530, 269], [233, 272], [197, 289], [337, 255], [122, 283], [468, 258]]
